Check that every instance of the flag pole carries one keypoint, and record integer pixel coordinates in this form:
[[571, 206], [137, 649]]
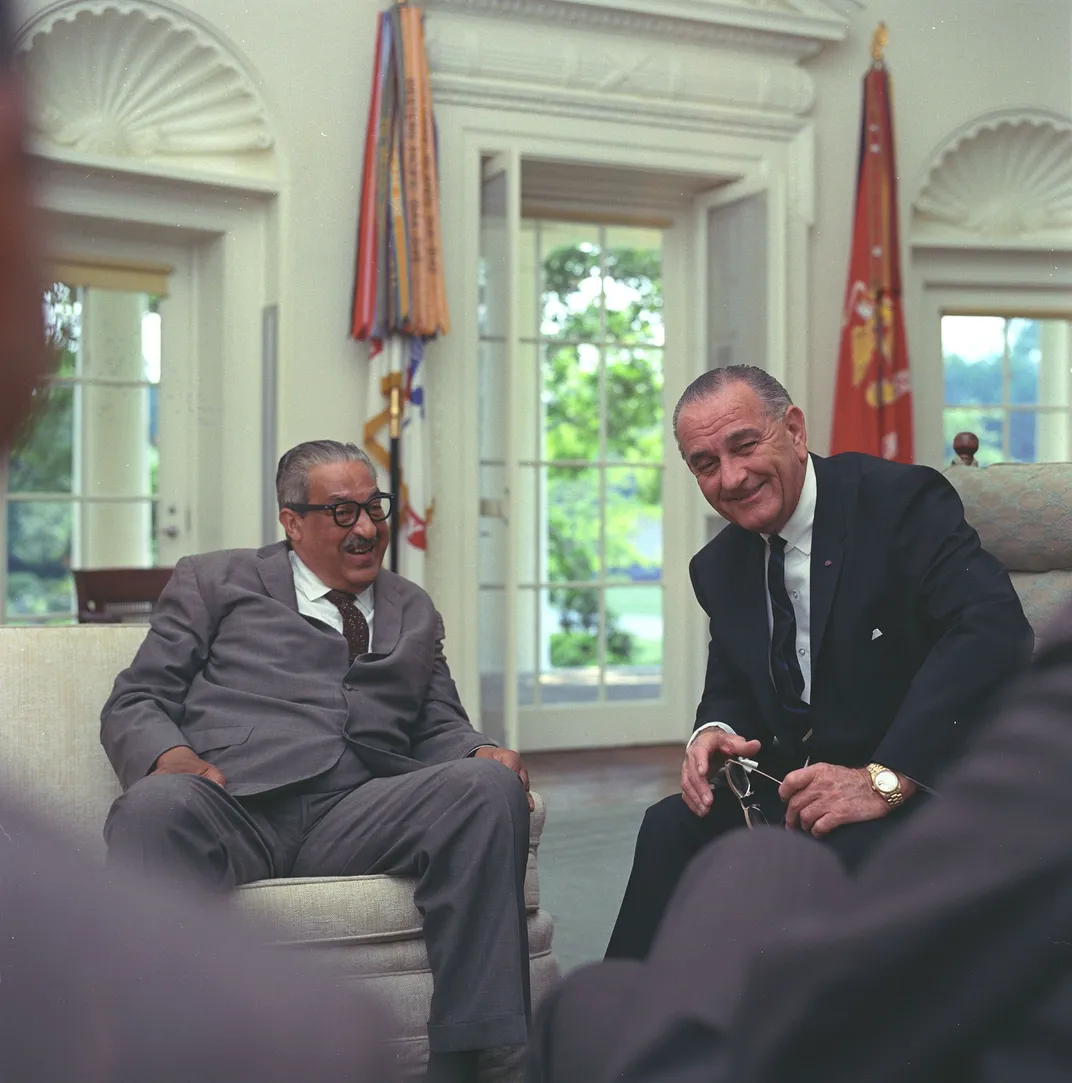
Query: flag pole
[[395, 430], [879, 40]]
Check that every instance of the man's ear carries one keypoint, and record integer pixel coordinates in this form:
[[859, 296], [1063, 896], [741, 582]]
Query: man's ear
[[798, 431], [291, 522]]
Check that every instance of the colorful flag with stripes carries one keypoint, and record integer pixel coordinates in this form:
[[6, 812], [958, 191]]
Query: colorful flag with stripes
[[399, 297]]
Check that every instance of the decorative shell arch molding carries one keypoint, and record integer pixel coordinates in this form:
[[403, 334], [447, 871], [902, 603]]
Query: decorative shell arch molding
[[141, 85], [1002, 181]]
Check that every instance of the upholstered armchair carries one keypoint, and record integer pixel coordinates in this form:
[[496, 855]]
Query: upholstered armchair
[[53, 682], [1023, 512]]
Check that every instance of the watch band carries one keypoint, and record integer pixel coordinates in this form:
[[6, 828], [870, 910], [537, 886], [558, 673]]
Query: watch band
[[894, 798]]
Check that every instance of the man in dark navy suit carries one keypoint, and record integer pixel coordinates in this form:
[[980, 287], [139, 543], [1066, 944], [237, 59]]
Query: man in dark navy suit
[[857, 629]]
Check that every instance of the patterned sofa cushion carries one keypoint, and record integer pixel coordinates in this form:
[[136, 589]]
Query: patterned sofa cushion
[[1023, 512]]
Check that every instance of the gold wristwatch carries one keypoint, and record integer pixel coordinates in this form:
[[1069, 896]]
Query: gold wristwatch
[[886, 784]]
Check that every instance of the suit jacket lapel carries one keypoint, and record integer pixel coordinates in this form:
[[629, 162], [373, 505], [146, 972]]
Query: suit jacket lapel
[[277, 575], [387, 613], [827, 549]]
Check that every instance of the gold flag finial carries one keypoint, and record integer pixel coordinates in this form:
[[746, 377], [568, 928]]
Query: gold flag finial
[[879, 40]]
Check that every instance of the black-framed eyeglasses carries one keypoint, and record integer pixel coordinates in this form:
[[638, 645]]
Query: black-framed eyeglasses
[[347, 512], [738, 777]]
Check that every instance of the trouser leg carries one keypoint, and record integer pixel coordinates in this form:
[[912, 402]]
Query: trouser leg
[[187, 830], [670, 837], [462, 828]]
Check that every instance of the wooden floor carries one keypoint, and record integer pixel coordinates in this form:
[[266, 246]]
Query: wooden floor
[[604, 776]]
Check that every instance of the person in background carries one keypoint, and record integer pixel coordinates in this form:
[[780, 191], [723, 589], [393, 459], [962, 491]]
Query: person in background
[[105, 977]]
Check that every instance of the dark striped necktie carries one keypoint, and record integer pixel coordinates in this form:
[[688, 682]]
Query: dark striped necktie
[[785, 668], [354, 625]]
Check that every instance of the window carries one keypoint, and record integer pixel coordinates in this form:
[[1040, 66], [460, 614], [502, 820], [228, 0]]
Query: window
[[1007, 380], [591, 333], [81, 483]]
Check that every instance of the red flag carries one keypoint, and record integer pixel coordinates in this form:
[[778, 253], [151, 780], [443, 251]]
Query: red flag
[[873, 400]]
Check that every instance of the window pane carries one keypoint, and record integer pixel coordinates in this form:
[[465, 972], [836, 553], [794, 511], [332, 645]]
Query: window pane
[[528, 283], [634, 642], [570, 646], [491, 548], [63, 326], [527, 647], [570, 402], [491, 400], [635, 405], [972, 350], [1054, 361], [633, 285], [988, 425], [491, 655], [1024, 357], [1038, 436], [1023, 436], [42, 461], [39, 537], [634, 539], [118, 452], [572, 524], [572, 287], [1052, 444]]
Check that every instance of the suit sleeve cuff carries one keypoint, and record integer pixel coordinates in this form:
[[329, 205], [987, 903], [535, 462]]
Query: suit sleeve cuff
[[707, 726], [483, 744]]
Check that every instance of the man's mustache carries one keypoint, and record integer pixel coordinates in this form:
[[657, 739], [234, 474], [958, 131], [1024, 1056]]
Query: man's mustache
[[358, 545]]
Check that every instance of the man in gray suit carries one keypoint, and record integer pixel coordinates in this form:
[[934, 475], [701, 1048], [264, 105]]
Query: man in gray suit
[[291, 713]]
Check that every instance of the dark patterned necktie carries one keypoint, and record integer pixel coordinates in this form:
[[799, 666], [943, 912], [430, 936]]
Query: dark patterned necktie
[[785, 669], [354, 625]]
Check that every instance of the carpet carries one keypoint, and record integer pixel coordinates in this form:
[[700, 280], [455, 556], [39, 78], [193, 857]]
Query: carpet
[[585, 857]]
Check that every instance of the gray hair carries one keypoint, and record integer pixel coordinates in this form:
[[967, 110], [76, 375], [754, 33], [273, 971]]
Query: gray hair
[[774, 397], [292, 475]]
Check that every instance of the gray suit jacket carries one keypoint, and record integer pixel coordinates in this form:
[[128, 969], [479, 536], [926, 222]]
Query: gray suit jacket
[[233, 670]]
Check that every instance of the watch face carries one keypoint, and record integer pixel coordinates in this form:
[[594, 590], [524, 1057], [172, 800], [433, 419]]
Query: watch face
[[885, 782]]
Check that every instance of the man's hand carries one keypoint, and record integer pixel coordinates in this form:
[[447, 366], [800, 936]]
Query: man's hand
[[181, 760], [823, 796], [508, 758], [703, 759]]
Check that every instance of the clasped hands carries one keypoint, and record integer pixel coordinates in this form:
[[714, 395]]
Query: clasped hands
[[818, 798]]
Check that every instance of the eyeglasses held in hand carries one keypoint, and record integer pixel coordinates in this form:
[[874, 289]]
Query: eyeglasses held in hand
[[347, 512], [738, 775]]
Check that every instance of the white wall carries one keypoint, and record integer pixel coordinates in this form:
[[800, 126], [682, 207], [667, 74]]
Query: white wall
[[314, 59], [949, 63]]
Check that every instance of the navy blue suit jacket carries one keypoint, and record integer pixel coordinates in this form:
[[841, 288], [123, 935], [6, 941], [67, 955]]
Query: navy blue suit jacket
[[890, 550]]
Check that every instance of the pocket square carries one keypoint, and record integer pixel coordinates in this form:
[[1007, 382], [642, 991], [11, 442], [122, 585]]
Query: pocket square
[[875, 634]]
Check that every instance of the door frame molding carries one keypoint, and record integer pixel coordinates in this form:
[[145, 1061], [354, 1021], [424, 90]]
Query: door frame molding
[[783, 165], [230, 233]]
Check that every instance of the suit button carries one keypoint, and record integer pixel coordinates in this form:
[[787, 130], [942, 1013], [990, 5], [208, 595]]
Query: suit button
[[775, 743]]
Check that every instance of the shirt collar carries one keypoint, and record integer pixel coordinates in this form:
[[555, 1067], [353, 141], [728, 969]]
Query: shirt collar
[[311, 587], [797, 532]]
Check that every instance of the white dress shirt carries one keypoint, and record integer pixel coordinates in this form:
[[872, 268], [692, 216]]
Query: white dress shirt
[[313, 602], [797, 534]]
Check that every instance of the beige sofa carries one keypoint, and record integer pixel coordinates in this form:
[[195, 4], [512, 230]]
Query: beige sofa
[[53, 682], [1023, 512]]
